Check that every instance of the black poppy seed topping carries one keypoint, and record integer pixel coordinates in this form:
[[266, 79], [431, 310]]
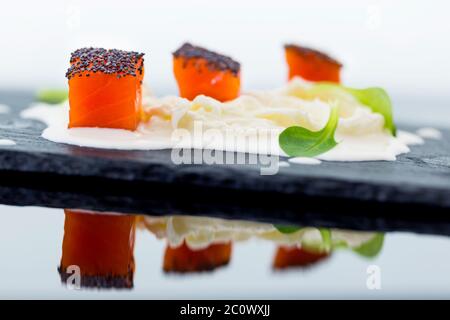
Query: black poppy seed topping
[[215, 61], [113, 61], [305, 51]]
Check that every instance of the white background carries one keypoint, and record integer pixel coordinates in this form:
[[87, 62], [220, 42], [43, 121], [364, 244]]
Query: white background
[[400, 45]]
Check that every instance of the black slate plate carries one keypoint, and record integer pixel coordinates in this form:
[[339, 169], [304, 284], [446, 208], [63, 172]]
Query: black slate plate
[[412, 193]]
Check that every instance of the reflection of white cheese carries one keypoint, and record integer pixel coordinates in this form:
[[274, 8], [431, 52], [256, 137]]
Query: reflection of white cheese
[[200, 232], [251, 123]]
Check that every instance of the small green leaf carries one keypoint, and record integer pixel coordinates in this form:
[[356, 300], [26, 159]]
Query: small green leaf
[[326, 238], [52, 96], [374, 98], [372, 247], [378, 100], [286, 229], [300, 142]]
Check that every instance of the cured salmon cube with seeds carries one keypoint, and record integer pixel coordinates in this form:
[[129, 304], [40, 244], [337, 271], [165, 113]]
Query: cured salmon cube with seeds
[[200, 71], [105, 88], [311, 64]]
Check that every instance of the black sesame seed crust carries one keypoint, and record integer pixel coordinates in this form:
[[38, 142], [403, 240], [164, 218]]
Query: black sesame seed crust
[[113, 61], [305, 51], [215, 61]]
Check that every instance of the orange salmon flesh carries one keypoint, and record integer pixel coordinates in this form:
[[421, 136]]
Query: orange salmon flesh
[[200, 71], [311, 65], [194, 77], [111, 99]]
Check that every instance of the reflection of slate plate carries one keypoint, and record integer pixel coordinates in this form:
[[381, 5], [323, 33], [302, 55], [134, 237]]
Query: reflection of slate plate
[[413, 192]]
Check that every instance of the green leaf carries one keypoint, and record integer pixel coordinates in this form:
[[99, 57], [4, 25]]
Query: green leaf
[[372, 247], [300, 142], [286, 229], [52, 96], [378, 100], [326, 238]]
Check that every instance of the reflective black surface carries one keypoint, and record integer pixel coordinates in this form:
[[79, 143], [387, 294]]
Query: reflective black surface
[[408, 266]]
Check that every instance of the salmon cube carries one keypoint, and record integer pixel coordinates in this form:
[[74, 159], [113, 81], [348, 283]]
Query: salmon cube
[[105, 88], [311, 64], [200, 71]]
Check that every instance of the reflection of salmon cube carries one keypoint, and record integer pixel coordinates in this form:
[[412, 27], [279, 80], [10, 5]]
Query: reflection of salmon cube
[[105, 88], [311, 64], [200, 71], [288, 257], [183, 259], [101, 246]]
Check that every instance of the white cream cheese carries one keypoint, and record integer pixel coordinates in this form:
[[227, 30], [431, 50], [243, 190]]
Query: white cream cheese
[[409, 138], [7, 142], [284, 164], [303, 160], [251, 123]]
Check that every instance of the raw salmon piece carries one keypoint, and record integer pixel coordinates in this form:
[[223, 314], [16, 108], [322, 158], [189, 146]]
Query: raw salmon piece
[[200, 71], [102, 246], [311, 64], [183, 259], [105, 88], [287, 257]]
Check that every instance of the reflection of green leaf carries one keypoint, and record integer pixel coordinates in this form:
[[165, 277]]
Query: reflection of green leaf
[[326, 238], [52, 96], [372, 247], [327, 243], [300, 142], [286, 229], [340, 245]]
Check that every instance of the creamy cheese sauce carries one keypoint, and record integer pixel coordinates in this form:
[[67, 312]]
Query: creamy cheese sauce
[[303, 160], [409, 138], [7, 142], [283, 164], [251, 123], [429, 133]]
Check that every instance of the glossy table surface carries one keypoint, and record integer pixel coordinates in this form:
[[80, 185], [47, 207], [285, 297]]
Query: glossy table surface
[[409, 265]]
